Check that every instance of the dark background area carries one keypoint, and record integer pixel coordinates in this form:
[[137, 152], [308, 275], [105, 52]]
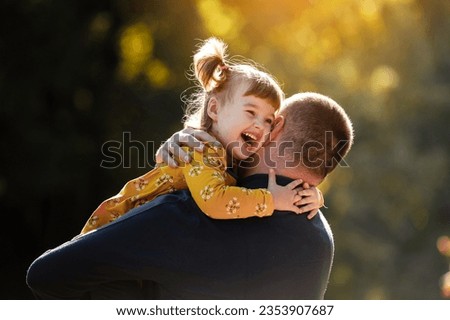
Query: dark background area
[[77, 74]]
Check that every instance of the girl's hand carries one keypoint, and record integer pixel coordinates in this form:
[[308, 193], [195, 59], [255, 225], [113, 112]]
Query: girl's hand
[[170, 151], [284, 197], [312, 200]]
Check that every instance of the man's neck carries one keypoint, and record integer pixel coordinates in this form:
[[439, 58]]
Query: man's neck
[[253, 165], [261, 162], [245, 172]]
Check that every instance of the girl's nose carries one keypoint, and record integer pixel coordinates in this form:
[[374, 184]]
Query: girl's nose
[[258, 123]]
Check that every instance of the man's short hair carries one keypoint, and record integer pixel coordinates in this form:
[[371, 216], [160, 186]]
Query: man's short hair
[[319, 131]]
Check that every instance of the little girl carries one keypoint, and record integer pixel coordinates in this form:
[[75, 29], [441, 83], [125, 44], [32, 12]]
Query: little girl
[[236, 104]]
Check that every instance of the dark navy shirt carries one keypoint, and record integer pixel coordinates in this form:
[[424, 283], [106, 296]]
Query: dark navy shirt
[[174, 251]]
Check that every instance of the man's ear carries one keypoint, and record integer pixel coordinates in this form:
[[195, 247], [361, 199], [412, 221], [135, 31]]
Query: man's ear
[[213, 108], [278, 125]]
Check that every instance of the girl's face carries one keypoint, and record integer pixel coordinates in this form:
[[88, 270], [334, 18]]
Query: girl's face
[[242, 123]]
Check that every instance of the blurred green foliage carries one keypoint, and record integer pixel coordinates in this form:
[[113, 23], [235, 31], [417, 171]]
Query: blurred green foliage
[[76, 74]]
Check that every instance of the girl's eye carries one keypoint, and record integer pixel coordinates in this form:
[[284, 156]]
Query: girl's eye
[[269, 121], [251, 112]]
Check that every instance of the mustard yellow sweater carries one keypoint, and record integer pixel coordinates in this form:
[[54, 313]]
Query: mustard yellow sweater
[[212, 188]]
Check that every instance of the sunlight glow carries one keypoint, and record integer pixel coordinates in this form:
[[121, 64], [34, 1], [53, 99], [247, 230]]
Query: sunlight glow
[[136, 47], [219, 19], [383, 79], [369, 10], [348, 72], [157, 73]]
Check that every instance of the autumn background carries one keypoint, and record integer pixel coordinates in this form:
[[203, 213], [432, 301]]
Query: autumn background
[[76, 74]]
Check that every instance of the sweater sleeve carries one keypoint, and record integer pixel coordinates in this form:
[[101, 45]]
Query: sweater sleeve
[[214, 190]]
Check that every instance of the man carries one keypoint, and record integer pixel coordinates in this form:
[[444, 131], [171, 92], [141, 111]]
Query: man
[[169, 249]]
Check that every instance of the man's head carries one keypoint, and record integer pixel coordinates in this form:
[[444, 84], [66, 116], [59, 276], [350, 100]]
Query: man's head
[[311, 138]]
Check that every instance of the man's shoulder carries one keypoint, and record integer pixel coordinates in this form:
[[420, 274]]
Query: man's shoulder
[[180, 200]]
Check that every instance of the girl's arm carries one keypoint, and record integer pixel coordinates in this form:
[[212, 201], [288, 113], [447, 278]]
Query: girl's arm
[[214, 192]]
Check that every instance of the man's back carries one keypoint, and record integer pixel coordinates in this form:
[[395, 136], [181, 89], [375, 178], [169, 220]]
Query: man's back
[[285, 256], [169, 249]]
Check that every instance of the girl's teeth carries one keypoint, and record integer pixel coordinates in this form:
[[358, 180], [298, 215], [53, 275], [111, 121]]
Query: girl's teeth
[[250, 135]]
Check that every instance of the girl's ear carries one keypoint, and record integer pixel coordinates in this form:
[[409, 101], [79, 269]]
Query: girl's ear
[[213, 108], [278, 125]]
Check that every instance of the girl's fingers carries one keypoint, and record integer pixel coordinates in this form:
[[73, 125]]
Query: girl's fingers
[[306, 192], [171, 150], [308, 207], [312, 214], [196, 138], [163, 156], [203, 136], [188, 138], [306, 200], [296, 209], [272, 179], [294, 184], [178, 153], [297, 199]]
